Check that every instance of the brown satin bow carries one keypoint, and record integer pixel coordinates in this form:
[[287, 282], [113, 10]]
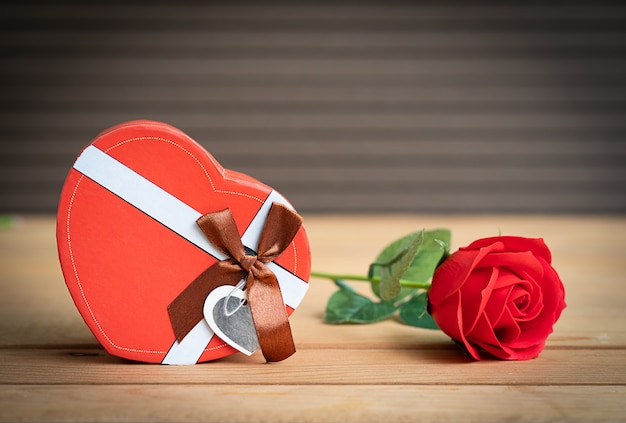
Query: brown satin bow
[[264, 296]]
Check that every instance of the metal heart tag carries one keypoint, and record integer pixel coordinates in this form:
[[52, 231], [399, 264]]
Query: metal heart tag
[[230, 318]]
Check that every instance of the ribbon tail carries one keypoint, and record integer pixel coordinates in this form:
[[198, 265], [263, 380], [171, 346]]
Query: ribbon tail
[[269, 315], [186, 309]]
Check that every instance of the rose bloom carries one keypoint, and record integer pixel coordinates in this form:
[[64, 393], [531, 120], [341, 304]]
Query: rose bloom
[[499, 295]]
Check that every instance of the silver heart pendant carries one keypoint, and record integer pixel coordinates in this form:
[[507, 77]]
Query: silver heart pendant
[[228, 315]]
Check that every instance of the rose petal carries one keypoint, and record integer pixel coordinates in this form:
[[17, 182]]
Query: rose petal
[[453, 273], [506, 329], [484, 337], [497, 304], [532, 301], [521, 263], [476, 295], [449, 318], [507, 278], [519, 301], [516, 244], [538, 329], [445, 315], [527, 353], [553, 290]]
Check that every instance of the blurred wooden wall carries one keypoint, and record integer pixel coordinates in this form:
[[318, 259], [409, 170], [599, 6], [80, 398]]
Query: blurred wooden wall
[[360, 106]]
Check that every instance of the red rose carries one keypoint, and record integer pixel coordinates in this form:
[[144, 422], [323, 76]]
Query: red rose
[[500, 295]]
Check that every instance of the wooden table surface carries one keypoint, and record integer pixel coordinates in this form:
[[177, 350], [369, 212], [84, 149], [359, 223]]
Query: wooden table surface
[[52, 369]]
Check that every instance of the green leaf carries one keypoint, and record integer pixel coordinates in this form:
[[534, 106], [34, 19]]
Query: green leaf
[[413, 312], [404, 292], [348, 306], [434, 245], [391, 269], [6, 221]]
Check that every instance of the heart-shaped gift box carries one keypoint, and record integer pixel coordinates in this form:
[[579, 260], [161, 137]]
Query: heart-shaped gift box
[[130, 245]]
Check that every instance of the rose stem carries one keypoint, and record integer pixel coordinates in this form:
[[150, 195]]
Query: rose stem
[[376, 279]]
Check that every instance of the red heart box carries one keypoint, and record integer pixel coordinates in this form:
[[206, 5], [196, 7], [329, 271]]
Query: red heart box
[[129, 245]]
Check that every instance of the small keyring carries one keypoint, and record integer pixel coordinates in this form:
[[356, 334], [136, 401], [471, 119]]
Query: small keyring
[[240, 286]]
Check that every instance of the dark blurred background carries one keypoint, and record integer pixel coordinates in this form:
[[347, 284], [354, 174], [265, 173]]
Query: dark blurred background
[[342, 106]]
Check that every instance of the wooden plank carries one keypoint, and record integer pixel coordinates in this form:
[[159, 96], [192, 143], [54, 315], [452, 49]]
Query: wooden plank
[[341, 366], [36, 313], [32, 238], [36, 309], [331, 403], [28, 240]]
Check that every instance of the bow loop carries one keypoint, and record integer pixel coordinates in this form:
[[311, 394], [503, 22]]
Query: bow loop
[[221, 230], [275, 239]]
